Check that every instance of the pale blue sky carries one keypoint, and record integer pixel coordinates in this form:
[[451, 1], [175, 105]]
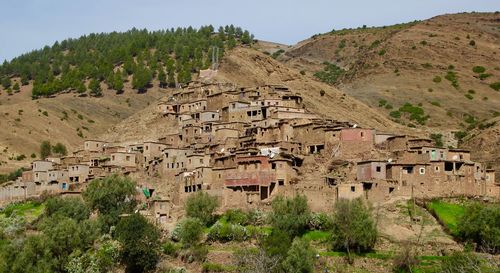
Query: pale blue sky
[[31, 24]]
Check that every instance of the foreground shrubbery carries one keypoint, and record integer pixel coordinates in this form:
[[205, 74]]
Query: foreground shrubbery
[[480, 224]]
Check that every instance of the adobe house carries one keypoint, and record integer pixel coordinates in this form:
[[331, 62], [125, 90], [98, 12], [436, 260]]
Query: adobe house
[[222, 134], [161, 210], [349, 191], [78, 173], [123, 159], [152, 149], [356, 141], [371, 170], [434, 153], [381, 137], [27, 176], [42, 165], [193, 106], [458, 155], [94, 145], [209, 116]]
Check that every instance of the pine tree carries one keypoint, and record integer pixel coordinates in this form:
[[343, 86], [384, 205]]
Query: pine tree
[[95, 88], [162, 77], [16, 87], [118, 82], [6, 82]]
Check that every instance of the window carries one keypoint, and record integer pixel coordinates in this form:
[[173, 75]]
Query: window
[[421, 170], [353, 188], [127, 158], [378, 169], [436, 169], [273, 166], [362, 134]]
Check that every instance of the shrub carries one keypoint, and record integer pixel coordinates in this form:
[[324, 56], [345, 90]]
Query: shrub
[[202, 206], [353, 226], [302, 72], [478, 69], [480, 224], [436, 103], [483, 76], [170, 248], [472, 43], [388, 106], [438, 139], [141, 243], [190, 231], [382, 52], [196, 253], [290, 215], [395, 114], [382, 102], [73, 208], [322, 92], [320, 221], [300, 257], [469, 96], [436, 79], [452, 77], [424, 42], [405, 261], [236, 216], [330, 73], [226, 232], [467, 262], [213, 267], [277, 53], [495, 86]]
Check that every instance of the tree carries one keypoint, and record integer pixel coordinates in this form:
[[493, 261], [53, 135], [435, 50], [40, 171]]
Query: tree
[[110, 196], [6, 82], [72, 208], [462, 262], [16, 87], [202, 206], [300, 257], [45, 149], [245, 38], [162, 77], [190, 231], [141, 243], [95, 88], [118, 82], [353, 227], [290, 215], [141, 79], [59, 149], [481, 224]]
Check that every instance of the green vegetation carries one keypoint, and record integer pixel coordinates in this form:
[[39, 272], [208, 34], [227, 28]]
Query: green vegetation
[[69, 64], [354, 229], [290, 215], [46, 149], [436, 103], [382, 103], [469, 96], [201, 206], [277, 53], [438, 139], [330, 73], [382, 52], [437, 79], [467, 262], [447, 213], [495, 86], [452, 77], [415, 113], [11, 176], [300, 257], [480, 224], [478, 69]]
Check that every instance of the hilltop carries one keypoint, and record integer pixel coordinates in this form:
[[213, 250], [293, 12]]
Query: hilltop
[[445, 67]]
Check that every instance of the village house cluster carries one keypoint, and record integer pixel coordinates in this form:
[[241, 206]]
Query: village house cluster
[[247, 145]]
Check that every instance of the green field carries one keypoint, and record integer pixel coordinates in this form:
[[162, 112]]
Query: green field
[[448, 213], [28, 210]]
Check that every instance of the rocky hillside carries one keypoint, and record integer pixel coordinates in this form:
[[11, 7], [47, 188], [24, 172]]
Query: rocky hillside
[[446, 67]]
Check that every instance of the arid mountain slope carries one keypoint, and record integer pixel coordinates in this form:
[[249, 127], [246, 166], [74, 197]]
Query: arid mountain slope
[[399, 63], [248, 67], [486, 144], [25, 123]]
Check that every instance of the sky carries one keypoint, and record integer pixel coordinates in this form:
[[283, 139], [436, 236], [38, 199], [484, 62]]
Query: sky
[[26, 25]]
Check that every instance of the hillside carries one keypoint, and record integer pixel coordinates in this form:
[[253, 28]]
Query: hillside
[[428, 64]]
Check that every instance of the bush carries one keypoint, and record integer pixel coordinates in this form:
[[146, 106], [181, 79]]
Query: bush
[[170, 248], [226, 232], [290, 215], [320, 221], [469, 96], [436, 79], [196, 253], [478, 69], [302, 72], [382, 102], [395, 114], [438, 139], [202, 206], [73, 208], [472, 43], [353, 226], [322, 92], [481, 224], [235, 216], [300, 257], [405, 261], [212, 267], [495, 86], [330, 73], [190, 231], [452, 77], [460, 262], [141, 243], [382, 52]]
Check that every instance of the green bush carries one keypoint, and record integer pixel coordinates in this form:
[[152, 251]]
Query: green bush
[[395, 114], [483, 76], [478, 69], [170, 248], [382, 102], [382, 52], [467, 262], [436, 103], [226, 232], [320, 221], [190, 232], [481, 224], [213, 267], [330, 73], [236, 216], [436, 79], [495, 86], [73, 208], [290, 215], [469, 96], [354, 229], [196, 253], [438, 139], [202, 206], [300, 257], [472, 43], [452, 77]]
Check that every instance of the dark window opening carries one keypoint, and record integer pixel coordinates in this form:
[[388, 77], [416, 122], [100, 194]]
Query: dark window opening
[[281, 182], [367, 186], [391, 189], [448, 166], [353, 188], [379, 169]]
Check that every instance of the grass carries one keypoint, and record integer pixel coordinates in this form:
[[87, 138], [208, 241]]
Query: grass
[[317, 235], [447, 213], [29, 210]]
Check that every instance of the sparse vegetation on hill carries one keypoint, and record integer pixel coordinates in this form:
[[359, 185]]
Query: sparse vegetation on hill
[[83, 63]]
